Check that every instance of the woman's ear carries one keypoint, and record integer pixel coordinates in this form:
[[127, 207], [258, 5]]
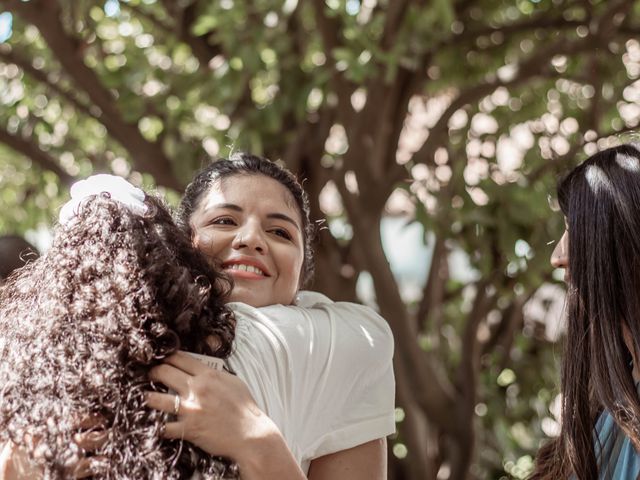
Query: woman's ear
[[630, 344]]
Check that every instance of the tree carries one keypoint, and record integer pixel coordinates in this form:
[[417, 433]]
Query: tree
[[462, 112]]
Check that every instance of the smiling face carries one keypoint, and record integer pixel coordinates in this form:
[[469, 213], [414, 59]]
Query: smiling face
[[249, 225]]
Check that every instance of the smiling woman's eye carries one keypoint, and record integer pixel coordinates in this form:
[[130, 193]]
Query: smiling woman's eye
[[223, 221], [281, 232]]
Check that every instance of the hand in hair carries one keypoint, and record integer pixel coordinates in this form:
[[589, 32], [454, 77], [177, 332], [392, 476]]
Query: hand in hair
[[198, 387], [16, 464], [210, 397]]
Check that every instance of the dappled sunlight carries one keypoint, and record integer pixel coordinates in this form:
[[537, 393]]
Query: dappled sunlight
[[631, 164], [598, 180], [444, 124]]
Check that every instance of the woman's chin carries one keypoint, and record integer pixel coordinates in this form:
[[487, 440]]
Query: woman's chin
[[257, 299], [248, 296]]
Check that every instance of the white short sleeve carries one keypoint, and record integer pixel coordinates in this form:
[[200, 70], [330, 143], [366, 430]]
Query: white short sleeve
[[349, 393], [329, 364]]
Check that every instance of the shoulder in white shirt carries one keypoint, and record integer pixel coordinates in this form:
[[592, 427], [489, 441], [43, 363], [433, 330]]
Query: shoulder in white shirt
[[321, 370]]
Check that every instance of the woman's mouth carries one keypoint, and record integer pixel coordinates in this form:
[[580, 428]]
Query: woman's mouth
[[241, 267], [246, 268]]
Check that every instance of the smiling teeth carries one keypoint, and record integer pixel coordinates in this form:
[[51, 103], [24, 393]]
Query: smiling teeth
[[246, 268]]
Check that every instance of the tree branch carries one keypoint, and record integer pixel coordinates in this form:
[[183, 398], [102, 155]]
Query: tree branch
[[469, 371], [40, 157], [470, 364], [395, 16], [7, 53], [588, 121], [414, 426], [504, 334], [434, 288], [202, 48], [387, 135], [330, 33], [157, 23], [606, 26], [541, 22], [146, 156], [433, 390], [536, 65]]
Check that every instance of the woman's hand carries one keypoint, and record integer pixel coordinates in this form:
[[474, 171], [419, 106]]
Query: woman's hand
[[217, 413], [15, 463]]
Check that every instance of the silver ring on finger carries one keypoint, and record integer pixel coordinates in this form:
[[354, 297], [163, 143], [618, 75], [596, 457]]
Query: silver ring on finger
[[176, 405]]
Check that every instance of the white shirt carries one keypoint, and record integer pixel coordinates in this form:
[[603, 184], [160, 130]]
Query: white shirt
[[321, 370]]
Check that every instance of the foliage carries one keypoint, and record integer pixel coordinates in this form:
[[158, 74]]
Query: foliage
[[458, 115]]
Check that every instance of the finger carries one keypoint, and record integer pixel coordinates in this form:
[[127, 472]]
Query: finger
[[16, 464], [214, 342], [91, 441], [92, 420], [173, 430], [88, 467], [186, 363], [165, 402], [172, 377]]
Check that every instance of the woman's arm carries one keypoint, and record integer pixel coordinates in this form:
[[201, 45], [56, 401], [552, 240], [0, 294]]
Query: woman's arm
[[218, 414], [268, 456], [364, 462], [15, 463]]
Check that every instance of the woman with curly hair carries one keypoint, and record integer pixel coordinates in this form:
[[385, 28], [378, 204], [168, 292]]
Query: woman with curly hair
[[120, 289], [600, 252]]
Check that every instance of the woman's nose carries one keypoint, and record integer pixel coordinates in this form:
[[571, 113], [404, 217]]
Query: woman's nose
[[560, 255], [250, 236]]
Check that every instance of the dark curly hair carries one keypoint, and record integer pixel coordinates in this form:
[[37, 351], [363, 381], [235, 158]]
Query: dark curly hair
[[81, 327], [241, 163]]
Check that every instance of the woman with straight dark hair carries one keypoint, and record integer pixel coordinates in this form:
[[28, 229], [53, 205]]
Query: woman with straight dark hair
[[600, 252]]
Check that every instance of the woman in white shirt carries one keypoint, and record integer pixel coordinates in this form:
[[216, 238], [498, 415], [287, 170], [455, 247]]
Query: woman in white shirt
[[320, 393]]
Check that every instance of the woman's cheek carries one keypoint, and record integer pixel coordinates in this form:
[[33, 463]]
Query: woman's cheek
[[295, 271], [203, 241]]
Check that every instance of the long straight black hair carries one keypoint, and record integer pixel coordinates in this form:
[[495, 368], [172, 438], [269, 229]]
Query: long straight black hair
[[601, 202]]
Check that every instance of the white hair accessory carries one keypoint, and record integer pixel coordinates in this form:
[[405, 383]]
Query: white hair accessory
[[117, 188]]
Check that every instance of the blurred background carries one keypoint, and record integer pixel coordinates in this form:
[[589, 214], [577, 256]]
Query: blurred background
[[430, 136]]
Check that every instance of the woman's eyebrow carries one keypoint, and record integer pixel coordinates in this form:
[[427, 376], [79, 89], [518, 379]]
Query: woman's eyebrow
[[275, 215], [286, 218], [228, 206]]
